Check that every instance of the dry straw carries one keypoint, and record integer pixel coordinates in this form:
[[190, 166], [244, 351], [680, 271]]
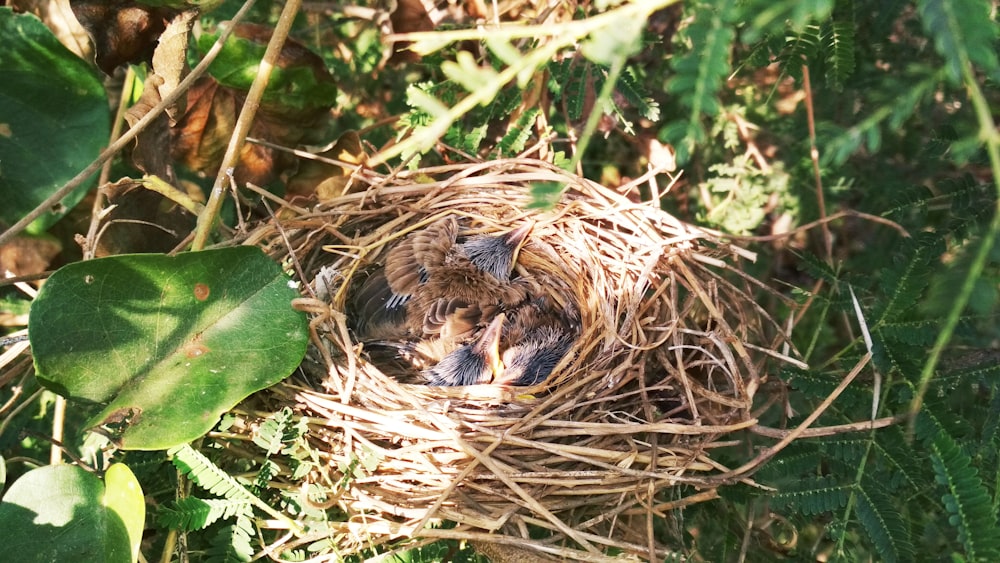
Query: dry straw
[[671, 352]]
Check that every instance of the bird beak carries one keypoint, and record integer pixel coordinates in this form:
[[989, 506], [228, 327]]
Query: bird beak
[[518, 237], [490, 341]]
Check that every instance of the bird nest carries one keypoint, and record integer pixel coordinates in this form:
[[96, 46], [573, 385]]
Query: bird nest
[[670, 349]]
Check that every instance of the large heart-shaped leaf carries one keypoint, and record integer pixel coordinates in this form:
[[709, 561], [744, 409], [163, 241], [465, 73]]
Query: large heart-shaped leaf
[[59, 513], [54, 118], [166, 344]]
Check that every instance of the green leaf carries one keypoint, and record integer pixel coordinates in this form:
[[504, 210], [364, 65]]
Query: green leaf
[[124, 497], [54, 119], [699, 73], [58, 513], [883, 523], [616, 41], [470, 75], [767, 15], [966, 500], [192, 513], [840, 53], [166, 344], [963, 31], [298, 83]]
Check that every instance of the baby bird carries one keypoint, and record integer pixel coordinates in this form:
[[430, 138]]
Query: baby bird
[[473, 363], [432, 285], [536, 337], [531, 361]]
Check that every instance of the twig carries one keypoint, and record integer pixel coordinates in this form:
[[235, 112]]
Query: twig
[[116, 130], [831, 430], [989, 134], [129, 135], [814, 156], [214, 205], [768, 453]]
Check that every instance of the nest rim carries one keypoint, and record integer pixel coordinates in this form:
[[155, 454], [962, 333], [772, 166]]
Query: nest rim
[[452, 444]]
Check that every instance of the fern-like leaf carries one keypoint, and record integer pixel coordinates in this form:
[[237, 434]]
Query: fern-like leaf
[[909, 275], [699, 72], [192, 513], [207, 475], [232, 543], [518, 133], [801, 48], [574, 89], [881, 520], [766, 15], [963, 33], [813, 496], [270, 435], [629, 87], [966, 500], [899, 459], [840, 62]]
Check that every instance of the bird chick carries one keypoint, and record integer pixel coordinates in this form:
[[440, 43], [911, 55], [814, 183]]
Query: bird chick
[[479, 270], [536, 337], [433, 285], [473, 363], [532, 360]]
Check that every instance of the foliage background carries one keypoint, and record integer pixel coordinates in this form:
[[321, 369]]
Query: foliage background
[[780, 114]]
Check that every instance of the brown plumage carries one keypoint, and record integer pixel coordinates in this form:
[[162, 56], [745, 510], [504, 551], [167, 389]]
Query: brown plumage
[[535, 338], [471, 364], [442, 305], [532, 360], [433, 285]]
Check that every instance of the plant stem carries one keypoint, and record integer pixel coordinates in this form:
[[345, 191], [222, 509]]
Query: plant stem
[[129, 135], [209, 216], [988, 133]]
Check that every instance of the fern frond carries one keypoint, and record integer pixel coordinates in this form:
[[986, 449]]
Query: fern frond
[[518, 134], [817, 267], [232, 543], [629, 87], [574, 90], [966, 500], [816, 385], [271, 434], [212, 478], [764, 15], [699, 72], [904, 466], [963, 33], [801, 48], [990, 442], [920, 84], [206, 474], [849, 451], [798, 459], [813, 496], [916, 333], [190, 513], [909, 275], [839, 42], [881, 520]]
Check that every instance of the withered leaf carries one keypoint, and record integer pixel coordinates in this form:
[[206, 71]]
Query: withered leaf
[[123, 31], [321, 181]]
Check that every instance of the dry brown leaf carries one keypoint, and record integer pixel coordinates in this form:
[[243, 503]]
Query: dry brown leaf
[[322, 181], [26, 255], [122, 31]]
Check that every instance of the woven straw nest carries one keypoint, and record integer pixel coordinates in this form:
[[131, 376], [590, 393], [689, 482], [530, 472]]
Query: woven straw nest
[[670, 353]]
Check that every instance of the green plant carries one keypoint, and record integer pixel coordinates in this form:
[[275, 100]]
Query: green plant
[[874, 119]]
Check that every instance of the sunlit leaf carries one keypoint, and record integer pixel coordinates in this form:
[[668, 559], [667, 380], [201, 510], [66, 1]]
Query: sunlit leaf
[[166, 344]]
